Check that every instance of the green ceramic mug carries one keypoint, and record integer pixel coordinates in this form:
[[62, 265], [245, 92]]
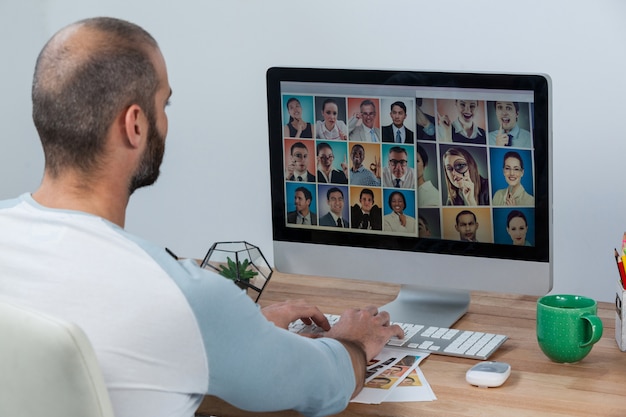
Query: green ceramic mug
[[567, 326]]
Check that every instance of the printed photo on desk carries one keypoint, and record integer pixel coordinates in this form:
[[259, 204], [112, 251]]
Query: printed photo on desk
[[395, 370]]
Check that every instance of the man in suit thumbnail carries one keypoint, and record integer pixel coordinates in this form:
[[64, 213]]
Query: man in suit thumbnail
[[297, 167], [396, 132], [367, 216], [364, 131], [466, 225], [334, 217], [509, 132], [398, 174], [302, 214]]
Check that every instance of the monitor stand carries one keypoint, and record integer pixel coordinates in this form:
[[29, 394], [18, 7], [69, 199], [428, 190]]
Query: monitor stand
[[429, 306]]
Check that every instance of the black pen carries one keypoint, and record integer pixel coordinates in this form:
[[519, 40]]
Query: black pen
[[620, 268], [171, 253]]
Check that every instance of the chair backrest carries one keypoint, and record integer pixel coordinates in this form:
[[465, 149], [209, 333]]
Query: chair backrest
[[47, 367]]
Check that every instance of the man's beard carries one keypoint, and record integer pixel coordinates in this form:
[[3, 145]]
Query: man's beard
[[149, 167]]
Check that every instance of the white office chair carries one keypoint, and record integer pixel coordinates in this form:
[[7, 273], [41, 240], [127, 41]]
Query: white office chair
[[47, 368]]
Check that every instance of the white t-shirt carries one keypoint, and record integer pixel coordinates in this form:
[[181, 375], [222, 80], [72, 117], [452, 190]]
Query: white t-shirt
[[165, 332]]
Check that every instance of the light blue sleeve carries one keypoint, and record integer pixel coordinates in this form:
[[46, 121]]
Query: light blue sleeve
[[255, 365], [430, 129]]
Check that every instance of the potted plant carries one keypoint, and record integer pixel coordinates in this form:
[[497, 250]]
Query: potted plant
[[241, 262], [238, 271]]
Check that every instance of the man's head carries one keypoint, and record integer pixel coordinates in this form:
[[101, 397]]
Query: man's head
[[325, 155], [303, 198], [87, 76], [368, 113], [357, 155], [398, 160], [299, 156], [366, 198], [507, 113], [466, 225], [335, 200], [398, 113]]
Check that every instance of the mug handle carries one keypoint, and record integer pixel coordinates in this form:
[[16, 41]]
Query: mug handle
[[596, 329]]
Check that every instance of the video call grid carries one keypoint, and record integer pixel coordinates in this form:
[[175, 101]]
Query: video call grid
[[439, 217]]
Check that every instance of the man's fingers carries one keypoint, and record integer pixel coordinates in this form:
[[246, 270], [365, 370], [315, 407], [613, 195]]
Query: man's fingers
[[397, 331], [373, 310]]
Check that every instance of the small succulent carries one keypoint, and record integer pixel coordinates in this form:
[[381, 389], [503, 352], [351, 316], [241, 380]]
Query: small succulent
[[237, 271]]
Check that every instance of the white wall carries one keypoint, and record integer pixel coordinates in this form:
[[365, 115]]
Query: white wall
[[214, 185]]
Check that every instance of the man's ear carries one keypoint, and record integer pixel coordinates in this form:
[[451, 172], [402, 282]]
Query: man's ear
[[135, 125]]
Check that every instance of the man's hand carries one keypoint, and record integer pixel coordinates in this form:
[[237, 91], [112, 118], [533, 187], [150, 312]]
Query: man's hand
[[502, 138], [375, 167], [366, 327], [281, 314]]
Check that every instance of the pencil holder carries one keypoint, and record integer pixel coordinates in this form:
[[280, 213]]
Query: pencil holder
[[620, 319]]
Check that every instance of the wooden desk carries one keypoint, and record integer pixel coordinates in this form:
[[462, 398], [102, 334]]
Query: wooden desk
[[596, 386]]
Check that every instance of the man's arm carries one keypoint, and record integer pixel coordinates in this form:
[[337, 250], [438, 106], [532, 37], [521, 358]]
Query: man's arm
[[359, 363], [353, 122], [255, 365], [363, 332]]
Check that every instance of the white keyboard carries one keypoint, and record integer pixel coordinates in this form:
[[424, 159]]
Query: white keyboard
[[437, 340]]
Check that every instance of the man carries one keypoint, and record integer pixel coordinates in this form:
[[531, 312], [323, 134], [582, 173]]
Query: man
[[359, 175], [396, 131], [463, 128], [297, 167], [165, 332], [302, 214], [466, 225], [326, 172], [397, 173], [334, 218], [509, 133], [361, 125], [367, 216]]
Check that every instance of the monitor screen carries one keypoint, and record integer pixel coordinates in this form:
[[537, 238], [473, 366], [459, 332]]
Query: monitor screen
[[435, 180]]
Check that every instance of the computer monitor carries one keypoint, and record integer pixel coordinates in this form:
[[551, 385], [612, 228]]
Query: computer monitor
[[438, 181]]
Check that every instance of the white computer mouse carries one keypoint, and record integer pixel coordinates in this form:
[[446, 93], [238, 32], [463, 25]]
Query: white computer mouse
[[488, 374]]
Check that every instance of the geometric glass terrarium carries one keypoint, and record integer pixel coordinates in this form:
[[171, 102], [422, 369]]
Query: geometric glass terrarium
[[241, 262]]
